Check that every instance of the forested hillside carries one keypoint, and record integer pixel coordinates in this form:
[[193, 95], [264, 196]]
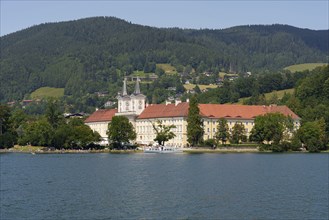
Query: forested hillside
[[93, 54]]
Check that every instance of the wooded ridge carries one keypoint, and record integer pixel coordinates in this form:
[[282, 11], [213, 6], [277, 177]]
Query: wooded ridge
[[93, 54]]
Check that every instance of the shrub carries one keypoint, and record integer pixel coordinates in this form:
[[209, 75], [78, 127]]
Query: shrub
[[7, 140], [210, 143]]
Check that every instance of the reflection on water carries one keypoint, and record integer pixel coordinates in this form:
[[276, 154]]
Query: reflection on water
[[158, 186]]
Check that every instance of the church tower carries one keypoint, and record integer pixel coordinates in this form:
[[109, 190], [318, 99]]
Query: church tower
[[124, 99], [138, 99], [131, 105]]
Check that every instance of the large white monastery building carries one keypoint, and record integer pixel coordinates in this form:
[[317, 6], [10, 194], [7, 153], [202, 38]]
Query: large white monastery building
[[142, 115]]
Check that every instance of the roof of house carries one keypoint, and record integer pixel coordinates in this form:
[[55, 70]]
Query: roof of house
[[101, 115], [242, 111], [206, 110], [165, 111], [214, 111]]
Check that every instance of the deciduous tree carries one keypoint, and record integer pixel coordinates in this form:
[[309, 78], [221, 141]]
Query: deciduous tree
[[53, 114], [270, 127], [163, 132], [38, 133], [120, 130], [312, 135]]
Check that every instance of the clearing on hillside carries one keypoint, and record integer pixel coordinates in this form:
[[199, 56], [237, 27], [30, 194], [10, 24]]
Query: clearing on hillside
[[304, 66], [279, 93], [221, 74], [45, 92], [169, 69], [138, 73], [191, 86]]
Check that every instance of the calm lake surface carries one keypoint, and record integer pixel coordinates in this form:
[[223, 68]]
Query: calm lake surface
[[164, 186]]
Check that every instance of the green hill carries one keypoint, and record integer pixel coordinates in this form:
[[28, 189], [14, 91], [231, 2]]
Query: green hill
[[169, 69], [304, 66], [93, 54], [45, 92], [268, 95]]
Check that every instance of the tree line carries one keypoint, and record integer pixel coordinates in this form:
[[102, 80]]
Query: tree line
[[272, 131], [48, 130]]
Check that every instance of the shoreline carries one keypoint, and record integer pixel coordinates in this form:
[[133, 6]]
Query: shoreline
[[38, 150], [69, 151]]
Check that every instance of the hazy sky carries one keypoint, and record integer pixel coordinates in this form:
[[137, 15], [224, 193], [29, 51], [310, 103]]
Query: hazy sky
[[312, 14]]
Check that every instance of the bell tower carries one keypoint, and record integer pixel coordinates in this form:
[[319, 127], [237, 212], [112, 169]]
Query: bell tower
[[131, 105], [124, 100], [138, 99]]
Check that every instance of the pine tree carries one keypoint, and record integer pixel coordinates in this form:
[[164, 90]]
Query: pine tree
[[222, 133], [238, 133], [194, 123]]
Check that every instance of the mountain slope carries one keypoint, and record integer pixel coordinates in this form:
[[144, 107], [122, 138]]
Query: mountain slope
[[84, 55]]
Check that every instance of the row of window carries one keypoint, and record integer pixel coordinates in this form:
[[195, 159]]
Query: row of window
[[149, 128], [164, 121], [214, 130], [230, 123]]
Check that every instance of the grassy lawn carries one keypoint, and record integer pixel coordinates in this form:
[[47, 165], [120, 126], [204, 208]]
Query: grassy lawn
[[221, 74], [44, 92], [304, 66], [169, 69], [27, 148], [138, 73], [279, 93], [191, 86]]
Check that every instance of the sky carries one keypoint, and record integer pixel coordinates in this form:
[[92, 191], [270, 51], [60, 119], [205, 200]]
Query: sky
[[216, 14]]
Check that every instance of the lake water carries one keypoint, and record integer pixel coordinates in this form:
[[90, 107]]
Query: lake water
[[164, 186]]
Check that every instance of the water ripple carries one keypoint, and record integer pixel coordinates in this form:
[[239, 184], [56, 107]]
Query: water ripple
[[152, 186]]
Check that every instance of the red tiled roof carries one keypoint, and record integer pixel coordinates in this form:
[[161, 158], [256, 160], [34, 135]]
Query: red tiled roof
[[214, 111], [206, 110], [101, 115], [242, 111], [165, 111]]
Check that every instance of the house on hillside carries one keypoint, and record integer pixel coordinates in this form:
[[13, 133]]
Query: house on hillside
[[109, 104], [74, 115]]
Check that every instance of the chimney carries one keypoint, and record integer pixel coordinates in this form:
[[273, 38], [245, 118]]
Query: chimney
[[177, 101], [96, 109], [168, 102], [187, 100]]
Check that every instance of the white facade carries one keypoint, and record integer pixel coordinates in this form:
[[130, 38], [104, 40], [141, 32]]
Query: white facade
[[101, 128], [146, 134]]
